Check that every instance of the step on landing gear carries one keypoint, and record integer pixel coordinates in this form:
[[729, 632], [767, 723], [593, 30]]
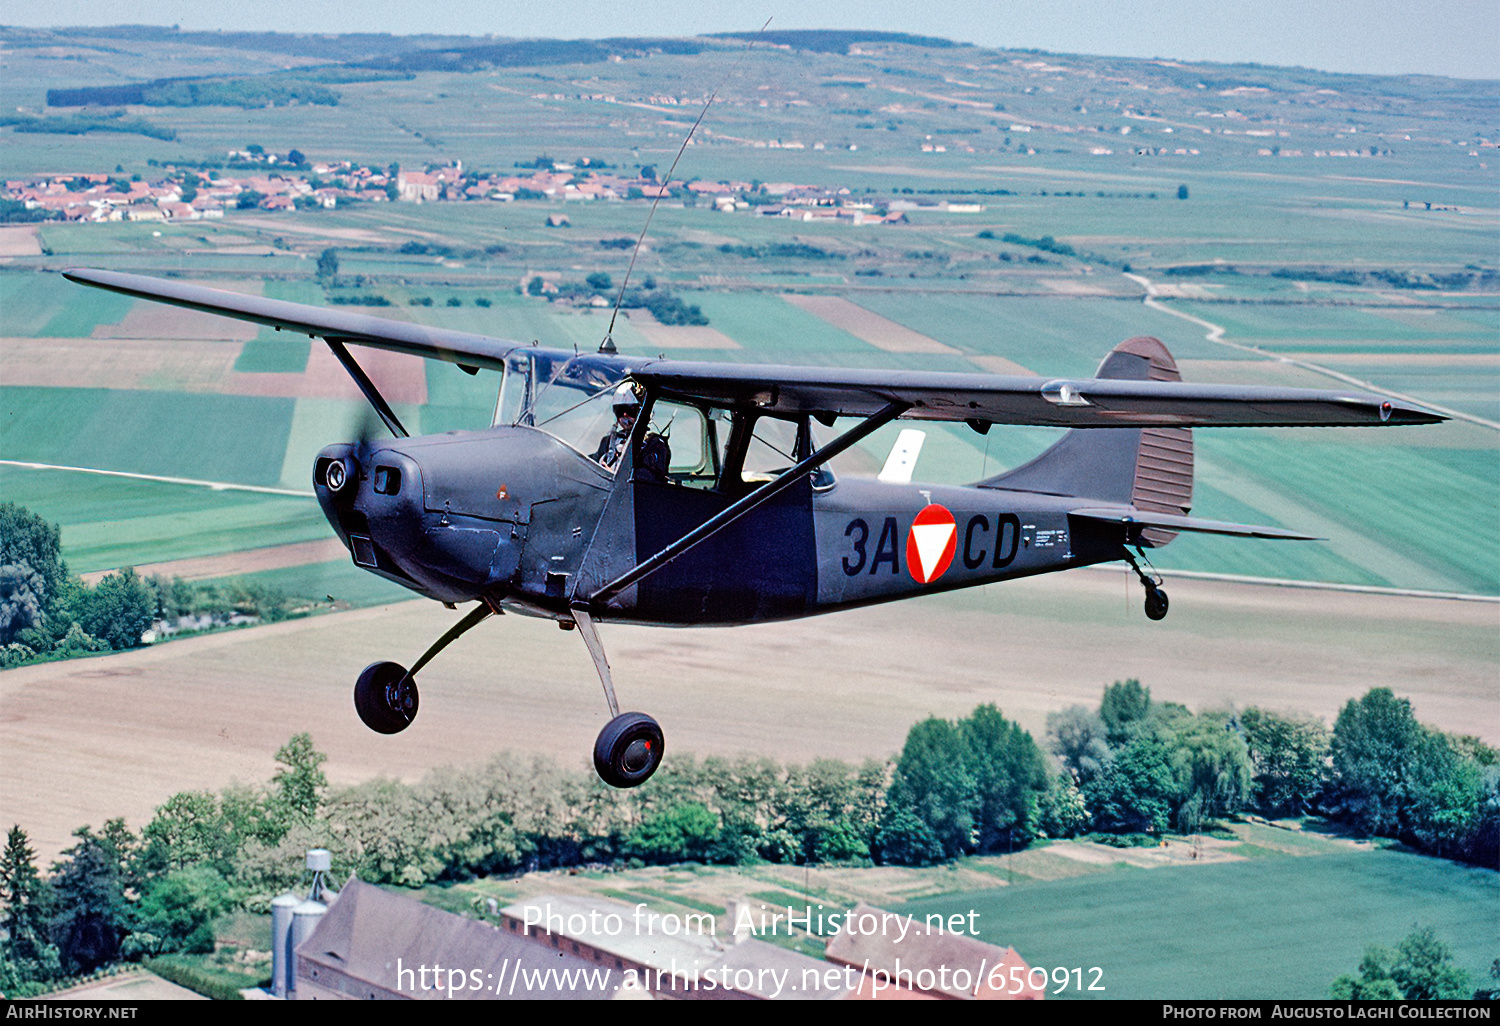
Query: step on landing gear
[[1156, 598], [629, 748]]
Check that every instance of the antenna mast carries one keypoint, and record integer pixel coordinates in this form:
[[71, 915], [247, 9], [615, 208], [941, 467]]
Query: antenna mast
[[608, 344]]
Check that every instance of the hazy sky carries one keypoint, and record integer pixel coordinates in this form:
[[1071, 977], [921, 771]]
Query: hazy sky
[[1445, 37]]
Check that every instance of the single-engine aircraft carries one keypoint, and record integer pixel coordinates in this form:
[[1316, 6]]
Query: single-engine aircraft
[[627, 489]]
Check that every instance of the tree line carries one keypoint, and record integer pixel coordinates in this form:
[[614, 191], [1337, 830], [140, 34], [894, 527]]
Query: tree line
[[665, 306], [1420, 969], [46, 612], [120, 895], [1144, 766]]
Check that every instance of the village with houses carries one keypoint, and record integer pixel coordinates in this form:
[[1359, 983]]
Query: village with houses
[[256, 180]]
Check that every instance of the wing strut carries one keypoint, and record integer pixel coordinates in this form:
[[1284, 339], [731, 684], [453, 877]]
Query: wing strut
[[367, 387], [765, 493]]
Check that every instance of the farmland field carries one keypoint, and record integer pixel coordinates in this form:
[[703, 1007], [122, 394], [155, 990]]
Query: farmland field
[[215, 438], [1258, 929], [1360, 251], [109, 522]]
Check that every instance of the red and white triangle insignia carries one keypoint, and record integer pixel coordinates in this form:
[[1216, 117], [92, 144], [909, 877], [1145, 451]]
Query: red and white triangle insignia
[[930, 543]]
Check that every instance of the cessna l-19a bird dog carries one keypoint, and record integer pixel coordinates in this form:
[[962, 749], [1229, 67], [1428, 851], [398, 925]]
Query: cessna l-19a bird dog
[[624, 489]]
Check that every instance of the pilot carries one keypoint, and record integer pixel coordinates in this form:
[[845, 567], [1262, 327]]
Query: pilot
[[612, 446]]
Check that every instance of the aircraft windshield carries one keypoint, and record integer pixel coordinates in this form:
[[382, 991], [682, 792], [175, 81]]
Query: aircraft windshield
[[567, 396], [572, 398]]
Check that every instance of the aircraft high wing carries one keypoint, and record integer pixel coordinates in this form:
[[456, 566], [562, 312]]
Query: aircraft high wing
[[827, 393]]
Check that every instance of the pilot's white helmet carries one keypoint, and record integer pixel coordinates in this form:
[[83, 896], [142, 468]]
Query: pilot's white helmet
[[626, 401]]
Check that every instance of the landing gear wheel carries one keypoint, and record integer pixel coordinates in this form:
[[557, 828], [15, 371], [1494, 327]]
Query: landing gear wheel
[[1156, 603], [385, 696], [628, 750]]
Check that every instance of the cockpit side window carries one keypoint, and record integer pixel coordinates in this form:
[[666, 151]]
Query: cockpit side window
[[776, 445], [691, 437]]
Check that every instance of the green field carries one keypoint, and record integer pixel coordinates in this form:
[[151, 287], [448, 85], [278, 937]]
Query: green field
[[1390, 512], [49, 306], [236, 439], [1047, 335], [110, 522], [1273, 927], [274, 355], [345, 582]]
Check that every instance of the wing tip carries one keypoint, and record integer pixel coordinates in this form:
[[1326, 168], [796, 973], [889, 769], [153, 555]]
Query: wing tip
[[1404, 415]]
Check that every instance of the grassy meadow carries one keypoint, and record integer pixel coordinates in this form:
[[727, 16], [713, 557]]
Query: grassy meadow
[[1272, 926]]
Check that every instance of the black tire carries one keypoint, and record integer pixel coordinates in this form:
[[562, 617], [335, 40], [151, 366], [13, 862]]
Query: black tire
[[386, 698], [1156, 604], [628, 750]]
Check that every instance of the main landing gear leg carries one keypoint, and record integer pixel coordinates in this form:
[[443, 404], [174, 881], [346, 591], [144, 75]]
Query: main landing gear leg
[[629, 748], [385, 695], [1156, 599]]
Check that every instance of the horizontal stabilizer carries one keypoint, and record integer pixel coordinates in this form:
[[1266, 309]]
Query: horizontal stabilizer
[[903, 458], [1137, 518]]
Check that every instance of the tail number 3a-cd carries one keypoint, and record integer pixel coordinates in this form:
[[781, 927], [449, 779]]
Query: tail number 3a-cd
[[931, 544]]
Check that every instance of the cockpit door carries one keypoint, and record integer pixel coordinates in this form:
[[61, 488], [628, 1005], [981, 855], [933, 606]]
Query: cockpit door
[[762, 567]]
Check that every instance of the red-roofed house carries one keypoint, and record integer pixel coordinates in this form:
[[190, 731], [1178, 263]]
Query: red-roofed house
[[418, 187]]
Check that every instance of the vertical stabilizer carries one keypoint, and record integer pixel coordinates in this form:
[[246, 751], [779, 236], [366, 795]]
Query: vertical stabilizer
[[1148, 468]]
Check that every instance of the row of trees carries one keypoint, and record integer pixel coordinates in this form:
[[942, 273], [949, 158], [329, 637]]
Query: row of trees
[[271, 90], [665, 306], [1145, 766], [1420, 969], [48, 613]]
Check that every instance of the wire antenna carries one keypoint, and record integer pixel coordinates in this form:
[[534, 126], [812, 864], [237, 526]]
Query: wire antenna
[[608, 345]]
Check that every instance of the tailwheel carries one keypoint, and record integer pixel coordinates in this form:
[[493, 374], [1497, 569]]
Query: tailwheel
[[1156, 603], [385, 696], [628, 750], [1156, 599]]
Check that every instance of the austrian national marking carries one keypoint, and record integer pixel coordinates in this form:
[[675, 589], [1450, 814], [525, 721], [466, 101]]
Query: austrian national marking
[[930, 543]]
